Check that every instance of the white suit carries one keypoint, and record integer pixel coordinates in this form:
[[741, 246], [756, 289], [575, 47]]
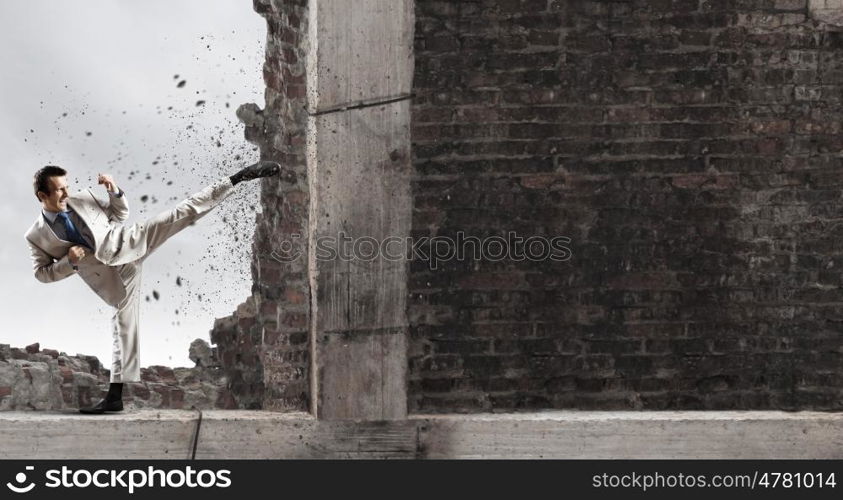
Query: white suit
[[113, 271]]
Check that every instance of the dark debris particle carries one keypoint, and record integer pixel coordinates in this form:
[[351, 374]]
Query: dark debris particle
[[89, 134], [155, 295], [144, 198], [182, 84], [178, 280], [200, 102]]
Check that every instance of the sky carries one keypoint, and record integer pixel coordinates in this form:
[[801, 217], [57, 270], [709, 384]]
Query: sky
[[146, 91]]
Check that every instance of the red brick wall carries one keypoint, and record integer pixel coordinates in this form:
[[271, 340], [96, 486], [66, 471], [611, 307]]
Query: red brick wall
[[264, 347]]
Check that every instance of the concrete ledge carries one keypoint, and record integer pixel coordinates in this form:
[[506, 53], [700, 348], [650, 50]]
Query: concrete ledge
[[141, 434], [243, 434], [556, 434], [636, 435]]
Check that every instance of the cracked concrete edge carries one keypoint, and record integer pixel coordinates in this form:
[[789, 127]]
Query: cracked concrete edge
[[551, 434], [142, 434], [153, 434]]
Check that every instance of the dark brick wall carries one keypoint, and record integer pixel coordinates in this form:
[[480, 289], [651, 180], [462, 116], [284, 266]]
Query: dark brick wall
[[689, 149]]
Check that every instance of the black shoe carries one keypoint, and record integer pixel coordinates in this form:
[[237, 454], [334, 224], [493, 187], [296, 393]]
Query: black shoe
[[103, 406], [256, 171]]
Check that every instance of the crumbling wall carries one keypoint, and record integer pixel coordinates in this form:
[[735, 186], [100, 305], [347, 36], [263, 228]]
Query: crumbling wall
[[264, 346], [238, 341], [45, 379], [689, 149], [331, 333]]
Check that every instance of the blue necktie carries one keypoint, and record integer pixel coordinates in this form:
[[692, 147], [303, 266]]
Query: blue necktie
[[73, 234]]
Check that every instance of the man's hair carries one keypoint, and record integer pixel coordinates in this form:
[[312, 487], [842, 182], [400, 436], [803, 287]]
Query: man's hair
[[39, 182]]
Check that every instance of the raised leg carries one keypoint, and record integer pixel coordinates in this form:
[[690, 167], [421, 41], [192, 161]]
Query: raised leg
[[166, 224], [137, 241]]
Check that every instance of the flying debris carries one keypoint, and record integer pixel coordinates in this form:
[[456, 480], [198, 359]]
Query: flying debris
[[182, 84]]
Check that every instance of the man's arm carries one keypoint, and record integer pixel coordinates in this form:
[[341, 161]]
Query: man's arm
[[46, 268], [118, 206]]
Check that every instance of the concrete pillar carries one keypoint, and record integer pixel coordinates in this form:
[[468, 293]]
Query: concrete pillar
[[359, 78]]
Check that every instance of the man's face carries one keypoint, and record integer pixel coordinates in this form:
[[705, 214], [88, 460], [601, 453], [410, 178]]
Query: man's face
[[56, 199]]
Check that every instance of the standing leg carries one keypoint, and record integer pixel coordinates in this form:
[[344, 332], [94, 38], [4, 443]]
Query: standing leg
[[125, 361]]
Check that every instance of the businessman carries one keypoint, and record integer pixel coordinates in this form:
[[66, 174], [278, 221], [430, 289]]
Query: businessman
[[81, 234]]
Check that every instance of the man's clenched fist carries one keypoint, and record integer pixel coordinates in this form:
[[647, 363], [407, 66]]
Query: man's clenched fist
[[76, 253], [108, 182]]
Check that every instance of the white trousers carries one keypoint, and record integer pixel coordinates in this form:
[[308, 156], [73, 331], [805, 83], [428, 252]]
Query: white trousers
[[125, 363]]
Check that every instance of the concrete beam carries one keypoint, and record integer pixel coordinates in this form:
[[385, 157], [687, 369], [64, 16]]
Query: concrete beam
[[141, 435], [262, 435], [635, 435], [360, 51], [362, 373], [359, 77], [557, 434], [360, 182]]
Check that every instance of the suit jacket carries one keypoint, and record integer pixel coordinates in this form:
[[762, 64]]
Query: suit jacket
[[49, 253]]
